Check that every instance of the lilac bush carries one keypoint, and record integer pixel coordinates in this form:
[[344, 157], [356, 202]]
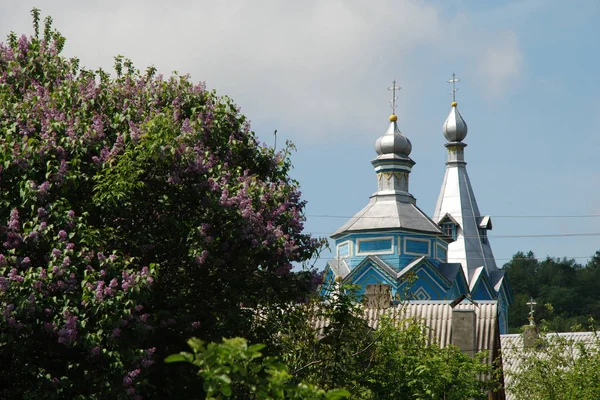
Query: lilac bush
[[135, 211]]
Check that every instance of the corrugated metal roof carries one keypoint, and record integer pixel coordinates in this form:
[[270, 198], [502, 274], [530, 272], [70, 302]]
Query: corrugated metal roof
[[513, 354], [437, 315]]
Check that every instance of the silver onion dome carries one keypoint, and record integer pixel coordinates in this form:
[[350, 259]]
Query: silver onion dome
[[393, 142], [455, 127]]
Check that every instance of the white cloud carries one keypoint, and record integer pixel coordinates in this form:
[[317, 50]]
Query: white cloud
[[501, 63], [321, 62]]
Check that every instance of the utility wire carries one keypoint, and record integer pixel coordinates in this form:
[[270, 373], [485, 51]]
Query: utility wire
[[541, 235], [497, 259], [464, 216]]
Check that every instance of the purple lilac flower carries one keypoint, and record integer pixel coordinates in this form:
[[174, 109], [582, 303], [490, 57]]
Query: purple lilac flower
[[13, 223], [43, 188], [13, 275], [3, 284], [68, 333]]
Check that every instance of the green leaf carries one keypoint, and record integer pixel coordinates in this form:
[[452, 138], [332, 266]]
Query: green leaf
[[181, 357]]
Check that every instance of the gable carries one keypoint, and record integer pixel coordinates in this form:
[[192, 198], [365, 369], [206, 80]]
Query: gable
[[426, 282], [481, 289], [370, 271]]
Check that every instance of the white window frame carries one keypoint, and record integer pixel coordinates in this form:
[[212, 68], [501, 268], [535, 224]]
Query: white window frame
[[349, 242]]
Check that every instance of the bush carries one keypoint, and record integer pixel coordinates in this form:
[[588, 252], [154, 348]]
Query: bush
[[138, 211]]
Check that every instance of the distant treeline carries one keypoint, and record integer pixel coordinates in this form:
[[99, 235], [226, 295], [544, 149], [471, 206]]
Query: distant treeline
[[567, 293]]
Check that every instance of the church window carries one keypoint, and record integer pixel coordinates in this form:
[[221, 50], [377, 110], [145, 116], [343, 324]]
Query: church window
[[449, 229], [343, 249], [382, 245]]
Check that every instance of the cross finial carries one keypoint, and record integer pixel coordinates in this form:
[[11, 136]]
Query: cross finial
[[393, 88], [531, 304], [454, 81]]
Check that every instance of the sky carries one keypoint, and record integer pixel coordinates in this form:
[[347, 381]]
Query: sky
[[318, 70]]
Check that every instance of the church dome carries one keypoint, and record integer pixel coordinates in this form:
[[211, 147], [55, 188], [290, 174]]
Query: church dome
[[455, 127], [393, 142]]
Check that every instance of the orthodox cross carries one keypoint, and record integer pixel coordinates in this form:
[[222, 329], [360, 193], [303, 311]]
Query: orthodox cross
[[531, 304], [454, 81], [393, 88]]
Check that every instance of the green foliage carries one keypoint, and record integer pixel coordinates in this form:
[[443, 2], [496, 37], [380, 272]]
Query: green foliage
[[329, 343], [232, 369], [570, 288], [557, 368], [136, 211], [407, 366]]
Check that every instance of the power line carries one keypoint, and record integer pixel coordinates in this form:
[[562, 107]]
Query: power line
[[497, 259], [541, 235], [463, 216]]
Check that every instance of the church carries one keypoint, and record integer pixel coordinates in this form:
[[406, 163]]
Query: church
[[392, 243]]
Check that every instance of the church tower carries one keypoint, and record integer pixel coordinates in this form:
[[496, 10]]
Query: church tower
[[393, 247], [391, 241], [458, 215]]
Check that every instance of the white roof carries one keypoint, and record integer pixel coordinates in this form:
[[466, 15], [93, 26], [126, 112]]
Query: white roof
[[457, 200]]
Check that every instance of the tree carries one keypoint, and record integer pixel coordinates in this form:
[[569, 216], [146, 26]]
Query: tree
[[567, 288], [138, 211], [557, 368], [328, 343], [233, 369]]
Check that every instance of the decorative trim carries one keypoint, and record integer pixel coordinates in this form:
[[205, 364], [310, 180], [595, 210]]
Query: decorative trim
[[428, 241], [345, 243], [366, 253], [437, 247], [421, 294], [399, 245], [383, 277]]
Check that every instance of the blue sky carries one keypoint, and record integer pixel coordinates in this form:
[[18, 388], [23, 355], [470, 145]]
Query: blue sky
[[317, 71]]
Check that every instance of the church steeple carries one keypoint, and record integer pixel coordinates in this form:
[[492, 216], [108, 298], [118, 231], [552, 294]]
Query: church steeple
[[391, 206], [393, 164], [456, 210]]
